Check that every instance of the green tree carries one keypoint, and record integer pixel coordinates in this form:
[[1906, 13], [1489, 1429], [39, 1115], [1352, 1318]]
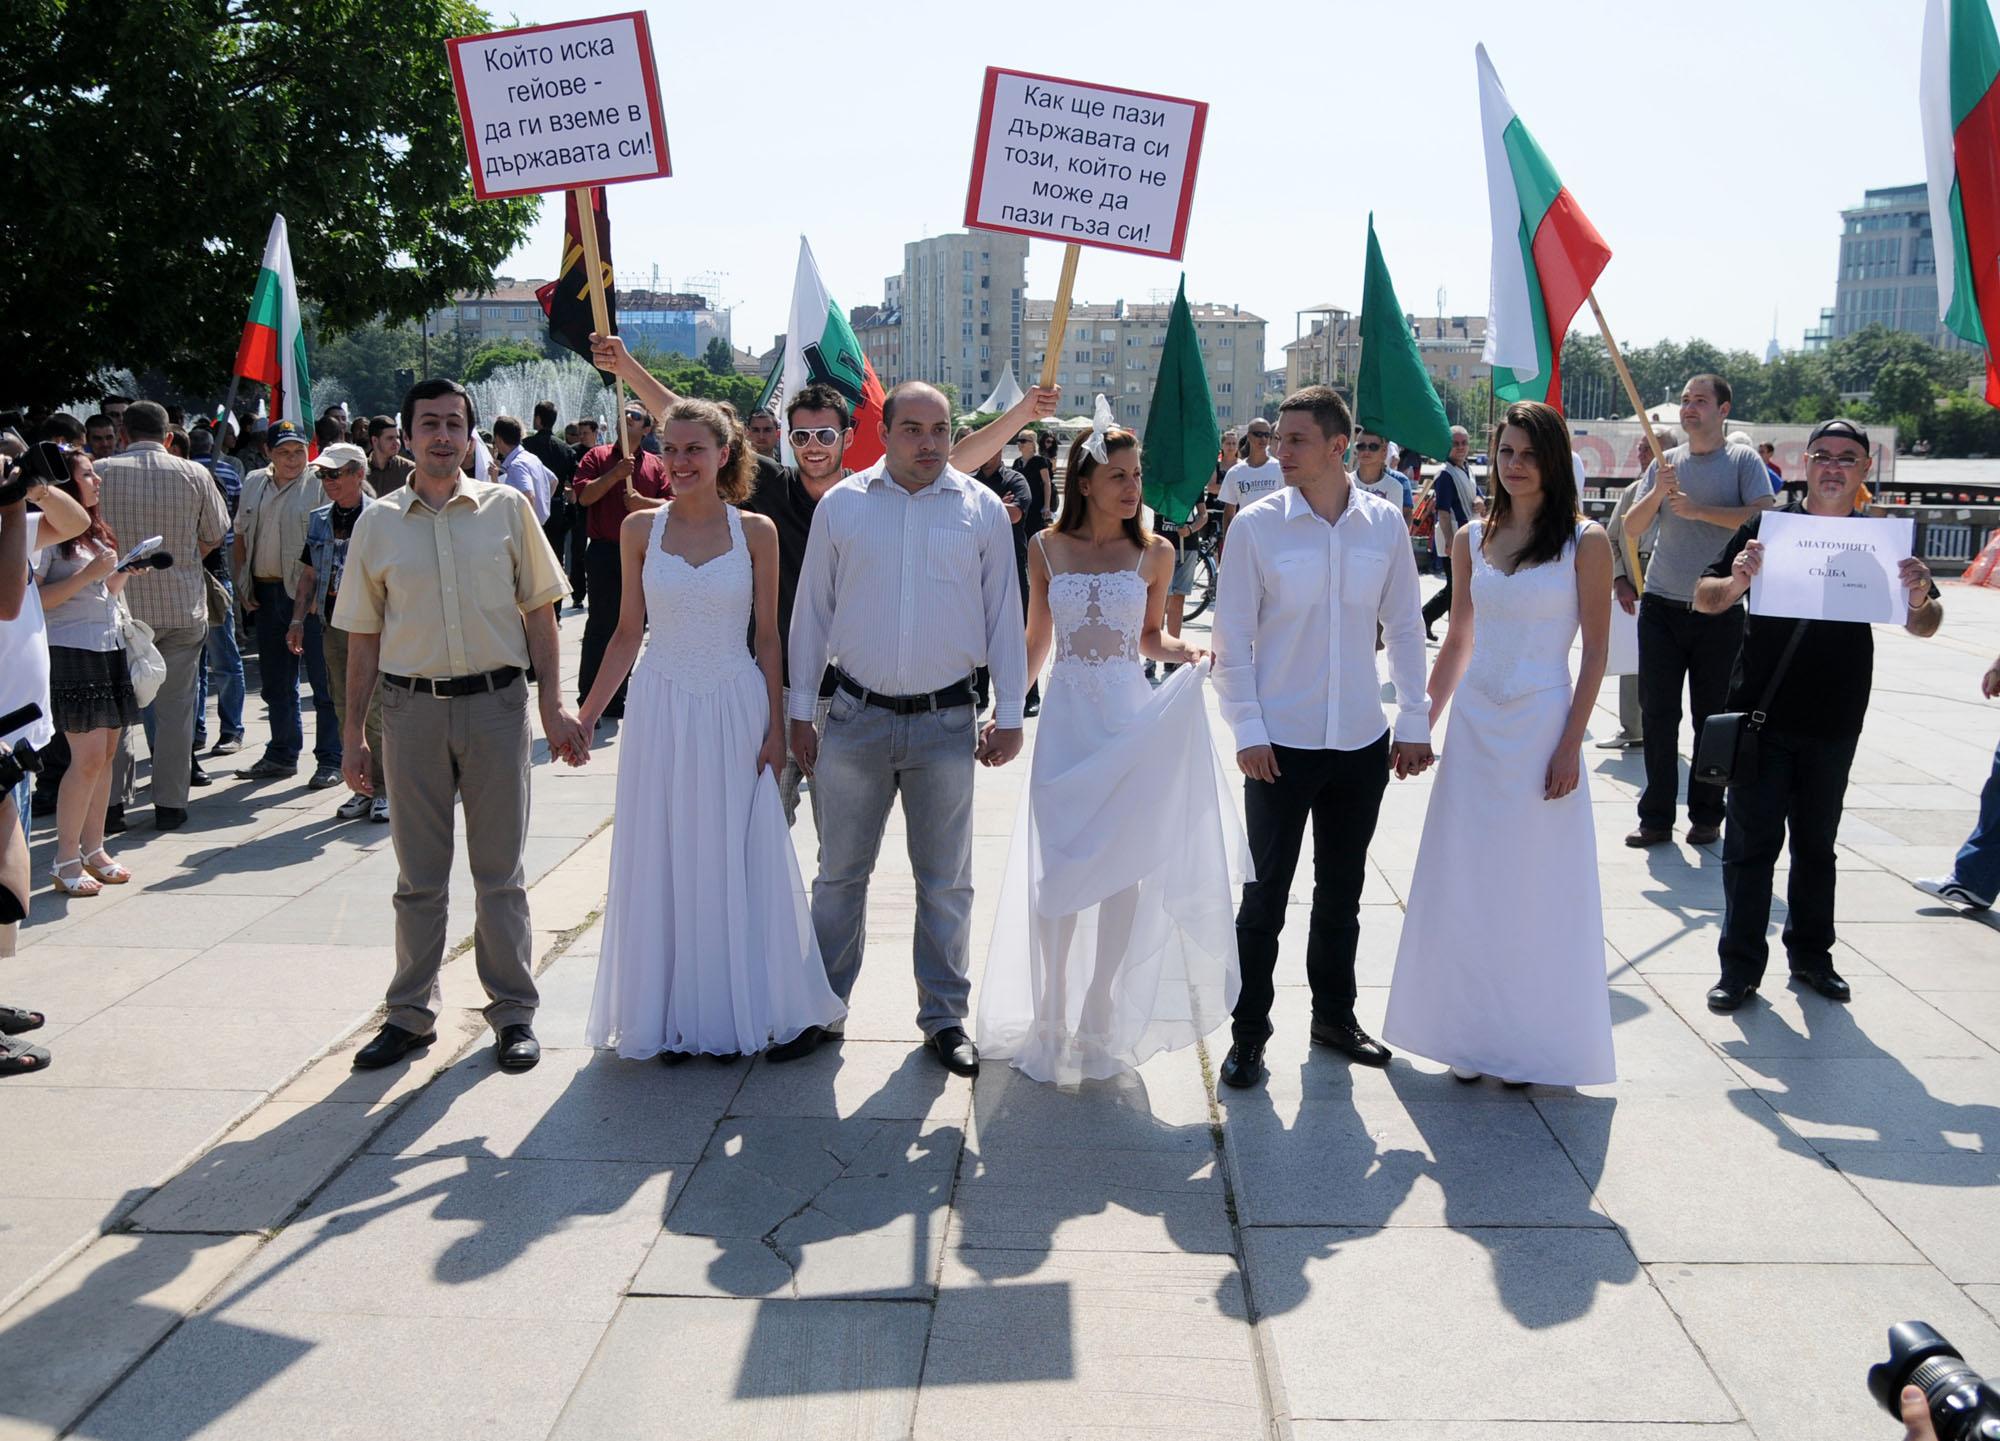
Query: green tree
[[720, 356], [497, 353], [687, 377], [150, 141], [1903, 388], [367, 359]]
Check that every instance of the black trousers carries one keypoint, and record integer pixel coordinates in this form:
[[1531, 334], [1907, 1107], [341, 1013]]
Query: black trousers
[[1800, 783], [577, 557], [1439, 605], [1341, 793], [1681, 646], [606, 581]]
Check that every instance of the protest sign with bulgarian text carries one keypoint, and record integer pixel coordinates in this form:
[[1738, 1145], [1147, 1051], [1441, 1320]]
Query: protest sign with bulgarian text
[[555, 107], [1085, 164]]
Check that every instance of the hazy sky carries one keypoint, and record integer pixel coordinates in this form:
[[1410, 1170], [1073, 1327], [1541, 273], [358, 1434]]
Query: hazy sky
[[1714, 147]]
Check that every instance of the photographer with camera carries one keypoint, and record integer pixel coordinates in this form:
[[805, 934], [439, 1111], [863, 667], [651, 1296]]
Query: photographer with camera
[[24, 701]]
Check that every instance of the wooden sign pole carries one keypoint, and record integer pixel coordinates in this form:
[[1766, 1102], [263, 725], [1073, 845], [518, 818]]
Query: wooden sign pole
[[1059, 317], [1631, 390], [600, 313]]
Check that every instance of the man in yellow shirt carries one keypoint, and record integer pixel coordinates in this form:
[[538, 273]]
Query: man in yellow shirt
[[449, 600]]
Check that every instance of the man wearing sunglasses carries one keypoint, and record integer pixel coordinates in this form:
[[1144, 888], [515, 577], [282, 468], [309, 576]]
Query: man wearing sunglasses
[[1254, 476], [1371, 470]]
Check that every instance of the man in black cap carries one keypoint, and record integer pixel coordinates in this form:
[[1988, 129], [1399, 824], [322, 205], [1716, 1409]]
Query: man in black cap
[[1807, 742]]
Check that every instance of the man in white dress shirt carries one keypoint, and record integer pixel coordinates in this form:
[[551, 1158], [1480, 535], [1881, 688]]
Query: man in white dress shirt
[[521, 468], [1312, 570], [908, 587]]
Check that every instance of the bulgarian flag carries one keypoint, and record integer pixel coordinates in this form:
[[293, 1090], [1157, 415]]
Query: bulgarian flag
[[820, 346], [1546, 253], [1961, 104], [273, 349]]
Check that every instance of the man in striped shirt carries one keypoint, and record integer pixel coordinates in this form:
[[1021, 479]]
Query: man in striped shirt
[[908, 588]]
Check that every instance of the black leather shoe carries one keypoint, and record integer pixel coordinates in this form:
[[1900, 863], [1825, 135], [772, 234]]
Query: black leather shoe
[[1828, 983], [114, 820], [1351, 1041], [672, 1058], [1646, 836], [1243, 1067], [803, 1044], [1725, 998], [390, 1045], [1704, 835], [956, 1052], [268, 770], [199, 777], [169, 818], [517, 1047]]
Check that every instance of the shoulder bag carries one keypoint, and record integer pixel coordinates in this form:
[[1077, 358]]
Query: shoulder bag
[[1727, 750]]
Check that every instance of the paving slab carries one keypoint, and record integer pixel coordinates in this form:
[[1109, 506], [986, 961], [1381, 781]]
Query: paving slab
[[1514, 1431], [96, 1318], [1946, 1204], [1544, 1325], [342, 1377], [1091, 1199], [261, 1171], [1091, 1345], [1787, 1019], [1940, 954], [137, 1048], [463, 1237], [876, 1080], [40, 1233], [1854, 1108], [1783, 1338], [752, 1371]]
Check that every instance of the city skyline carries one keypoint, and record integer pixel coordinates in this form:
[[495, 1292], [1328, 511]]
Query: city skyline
[[1745, 162]]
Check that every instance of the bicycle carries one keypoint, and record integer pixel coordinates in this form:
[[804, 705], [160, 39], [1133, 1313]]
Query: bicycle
[[1201, 595]]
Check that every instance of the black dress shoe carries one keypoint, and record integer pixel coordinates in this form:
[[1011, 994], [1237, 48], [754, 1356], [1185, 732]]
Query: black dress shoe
[[1704, 835], [114, 820], [1828, 983], [803, 1044], [1725, 998], [169, 818], [390, 1045], [956, 1052], [1351, 1041], [1243, 1067], [517, 1047], [268, 770], [672, 1058], [199, 777]]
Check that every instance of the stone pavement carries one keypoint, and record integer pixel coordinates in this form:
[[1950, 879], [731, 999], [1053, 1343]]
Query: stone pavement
[[212, 1228]]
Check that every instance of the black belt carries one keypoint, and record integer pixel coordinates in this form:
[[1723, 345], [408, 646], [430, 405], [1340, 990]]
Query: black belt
[[456, 685], [958, 693]]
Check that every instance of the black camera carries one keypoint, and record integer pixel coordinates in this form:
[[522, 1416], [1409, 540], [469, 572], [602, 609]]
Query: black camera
[[44, 464], [1964, 1407], [21, 758]]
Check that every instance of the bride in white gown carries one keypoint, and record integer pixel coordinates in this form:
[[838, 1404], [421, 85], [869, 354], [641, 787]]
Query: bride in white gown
[[1116, 933], [1500, 970]]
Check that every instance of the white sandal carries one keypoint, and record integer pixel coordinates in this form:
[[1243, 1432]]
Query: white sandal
[[104, 869], [79, 885]]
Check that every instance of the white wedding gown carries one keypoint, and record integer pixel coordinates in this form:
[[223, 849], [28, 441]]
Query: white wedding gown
[[1501, 965], [1116, 933], [708, 942]]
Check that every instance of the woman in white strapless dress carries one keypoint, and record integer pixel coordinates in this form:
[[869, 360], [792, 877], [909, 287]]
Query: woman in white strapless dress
[[708, 944], [1500, 970], [1116, 934]]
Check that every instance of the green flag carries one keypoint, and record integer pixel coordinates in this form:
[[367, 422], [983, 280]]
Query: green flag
[[1181, 434], [1393, 396]]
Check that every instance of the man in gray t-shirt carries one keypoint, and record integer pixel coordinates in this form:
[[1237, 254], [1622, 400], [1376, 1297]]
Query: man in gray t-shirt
[[1706, 489]]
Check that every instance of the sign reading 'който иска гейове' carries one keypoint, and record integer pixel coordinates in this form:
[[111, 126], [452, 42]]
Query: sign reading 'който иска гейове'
[[556, 107], [1086, 164]]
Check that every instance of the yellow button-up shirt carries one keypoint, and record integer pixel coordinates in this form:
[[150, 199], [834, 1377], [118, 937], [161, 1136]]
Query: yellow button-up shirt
[[446, 588]]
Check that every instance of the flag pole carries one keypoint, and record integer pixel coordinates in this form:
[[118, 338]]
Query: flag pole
[[1631, 390], [600, 314], [1059, 317]]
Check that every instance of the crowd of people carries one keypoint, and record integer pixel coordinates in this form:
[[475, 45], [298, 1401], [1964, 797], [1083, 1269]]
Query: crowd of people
[[761, 625]]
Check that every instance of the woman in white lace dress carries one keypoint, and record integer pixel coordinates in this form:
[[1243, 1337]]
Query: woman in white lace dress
[[708, 946], [1116, 933], [1500, 970]]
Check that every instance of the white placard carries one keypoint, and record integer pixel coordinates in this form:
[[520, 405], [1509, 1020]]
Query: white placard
[[1087, 164], [1622, 653], [555, 107], [1832, 567]]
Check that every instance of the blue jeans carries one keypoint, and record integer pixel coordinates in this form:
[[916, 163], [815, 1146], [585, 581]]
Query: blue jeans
[[1978, 865], [279, 670], [867, 757], [225, 662]]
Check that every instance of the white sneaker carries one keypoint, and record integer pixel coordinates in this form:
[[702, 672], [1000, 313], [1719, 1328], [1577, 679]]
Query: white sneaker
[[378, 810], [353, 808], [1460, 1073], [1947, 889]]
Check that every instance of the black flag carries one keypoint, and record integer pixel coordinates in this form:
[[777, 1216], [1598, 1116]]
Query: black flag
[[566, 299]]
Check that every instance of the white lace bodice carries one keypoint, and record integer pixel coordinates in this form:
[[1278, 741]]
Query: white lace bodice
[[1523, 623], [698, 616], [1097, 618]]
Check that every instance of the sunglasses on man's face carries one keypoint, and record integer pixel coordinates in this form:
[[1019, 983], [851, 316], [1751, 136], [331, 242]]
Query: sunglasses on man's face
[[1367, 447], [1260, 435], [818, 435]]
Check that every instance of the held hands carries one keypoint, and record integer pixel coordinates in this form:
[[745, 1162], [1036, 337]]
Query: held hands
[[1626, 593], [771, 755], [996, 746], [1411, 758], [1260, 763], [1915, 577], [1562, 775], [568, 739], [805, 746]]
